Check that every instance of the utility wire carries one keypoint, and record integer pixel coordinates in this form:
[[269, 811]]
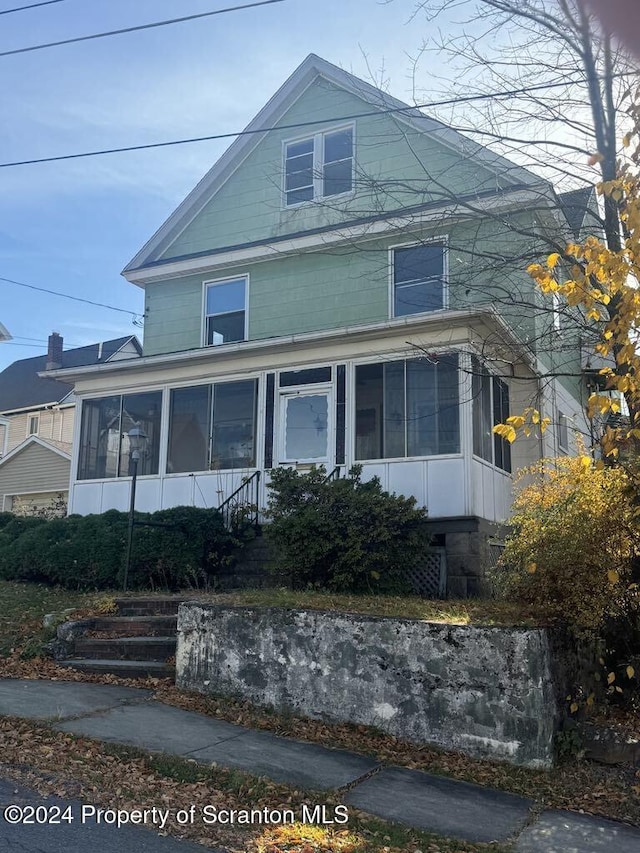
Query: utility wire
[[32, 6], [68, 296], [135, 29], [463, 99]]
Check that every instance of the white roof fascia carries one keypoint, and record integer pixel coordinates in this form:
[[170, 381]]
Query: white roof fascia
[[370, 330], [271, 113], [34, 439]]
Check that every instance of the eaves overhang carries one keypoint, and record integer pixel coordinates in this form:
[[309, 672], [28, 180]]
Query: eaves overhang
[[483, 321]]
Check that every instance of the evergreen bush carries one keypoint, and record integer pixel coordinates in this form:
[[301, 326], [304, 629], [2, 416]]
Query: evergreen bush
[[343, 535], [88, 552]]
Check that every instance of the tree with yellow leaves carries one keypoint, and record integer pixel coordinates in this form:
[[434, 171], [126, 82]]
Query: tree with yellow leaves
[[603, 286]]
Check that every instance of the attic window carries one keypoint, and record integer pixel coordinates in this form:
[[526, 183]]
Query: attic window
[[319, 166]]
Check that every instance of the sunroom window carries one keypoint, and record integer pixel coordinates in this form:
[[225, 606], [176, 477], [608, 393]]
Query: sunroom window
[[418, 279], [104, 439], [407, 408], [490, 407], [212, 427], [319, 166]]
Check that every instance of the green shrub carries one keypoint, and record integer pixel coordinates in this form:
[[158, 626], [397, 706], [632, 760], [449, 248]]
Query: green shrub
[[88, 552], [574, 542], [343, 535]]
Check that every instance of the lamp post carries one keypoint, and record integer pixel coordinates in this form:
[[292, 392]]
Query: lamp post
[[137, 446]]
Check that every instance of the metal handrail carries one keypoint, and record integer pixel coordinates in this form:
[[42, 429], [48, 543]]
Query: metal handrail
[[333, 475], [244, 501]]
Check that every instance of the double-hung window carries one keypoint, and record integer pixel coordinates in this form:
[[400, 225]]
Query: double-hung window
[[490, 407], [225, 311], [418, 274], [319, 166]]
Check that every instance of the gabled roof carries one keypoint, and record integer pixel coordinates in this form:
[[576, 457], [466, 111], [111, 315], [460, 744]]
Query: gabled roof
[[313, 67], [21, 387], [575, 205], [58, 447]]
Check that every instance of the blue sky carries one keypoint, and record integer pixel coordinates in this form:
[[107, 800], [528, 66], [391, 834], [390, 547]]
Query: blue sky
[[73, 226]]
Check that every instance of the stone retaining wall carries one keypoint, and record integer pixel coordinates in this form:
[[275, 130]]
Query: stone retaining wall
[[486, 691]]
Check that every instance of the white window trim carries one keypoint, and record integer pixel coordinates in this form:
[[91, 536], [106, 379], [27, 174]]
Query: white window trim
[[318, 165], [561, 415], [444, 240], [306, 391], [29, 419], [203, 315]]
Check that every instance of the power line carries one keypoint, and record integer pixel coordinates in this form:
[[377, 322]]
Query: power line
[[68, 296], [31, 6], [407, 108], [135, 29]]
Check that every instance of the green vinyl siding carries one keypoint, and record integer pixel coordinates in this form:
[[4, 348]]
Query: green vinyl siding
[[396, 167]]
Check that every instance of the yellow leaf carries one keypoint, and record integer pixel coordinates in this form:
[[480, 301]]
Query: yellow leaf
[[585, 462], [532, 568], [630, 671], [611, 678], [552, 260], [573, 707], [590, 700], [612, 576]]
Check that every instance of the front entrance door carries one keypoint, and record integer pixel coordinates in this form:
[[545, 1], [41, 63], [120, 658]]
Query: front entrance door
[[306, 427]]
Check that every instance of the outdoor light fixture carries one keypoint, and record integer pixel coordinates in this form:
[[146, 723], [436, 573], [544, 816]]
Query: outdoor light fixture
[[137, 447]]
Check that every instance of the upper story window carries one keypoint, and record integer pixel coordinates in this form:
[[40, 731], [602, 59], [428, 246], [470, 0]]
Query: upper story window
[[34, 425], [418, 278], [319, 166], [225, 311]]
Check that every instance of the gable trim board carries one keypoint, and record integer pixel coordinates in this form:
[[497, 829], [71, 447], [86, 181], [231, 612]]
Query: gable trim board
[[369, 227], [47, 473], [34, 439], [311, 68]]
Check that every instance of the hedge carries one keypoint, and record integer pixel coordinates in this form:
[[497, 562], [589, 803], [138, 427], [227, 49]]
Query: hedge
[[88, 552]]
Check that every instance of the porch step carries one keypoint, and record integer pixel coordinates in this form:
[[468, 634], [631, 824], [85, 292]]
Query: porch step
[[166, 606], [136, 626], [123, 668], [156, 648]]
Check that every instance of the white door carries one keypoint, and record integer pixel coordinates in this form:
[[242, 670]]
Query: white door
[[306, 428]]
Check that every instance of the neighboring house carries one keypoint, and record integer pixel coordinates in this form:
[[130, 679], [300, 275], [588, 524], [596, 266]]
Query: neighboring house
[[4, 333], [333, 292], [37, 417]]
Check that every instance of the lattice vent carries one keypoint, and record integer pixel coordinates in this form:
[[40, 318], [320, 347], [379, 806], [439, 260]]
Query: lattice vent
[[430, 577]]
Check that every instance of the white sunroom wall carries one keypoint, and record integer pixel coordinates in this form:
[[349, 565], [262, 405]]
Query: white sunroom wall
[[456, 485]]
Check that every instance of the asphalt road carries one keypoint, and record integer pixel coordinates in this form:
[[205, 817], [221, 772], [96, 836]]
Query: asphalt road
[[58, 826]]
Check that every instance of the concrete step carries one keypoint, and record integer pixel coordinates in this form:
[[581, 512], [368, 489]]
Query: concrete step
[[123, 668], [126, 648], [137, 626], [166, 606]]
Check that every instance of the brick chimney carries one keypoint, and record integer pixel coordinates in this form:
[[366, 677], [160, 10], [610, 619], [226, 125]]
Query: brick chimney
[[54, 351]]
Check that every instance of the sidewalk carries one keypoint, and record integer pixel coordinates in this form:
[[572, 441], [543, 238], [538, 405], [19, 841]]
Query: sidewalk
[[434, 803]]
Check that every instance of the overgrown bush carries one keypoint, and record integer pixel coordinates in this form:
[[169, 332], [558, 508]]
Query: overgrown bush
[[574, 543], [88, 552], [343, 535]]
